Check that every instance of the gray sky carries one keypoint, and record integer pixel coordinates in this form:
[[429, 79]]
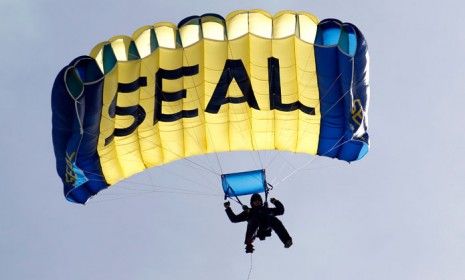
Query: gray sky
[[397, 214]]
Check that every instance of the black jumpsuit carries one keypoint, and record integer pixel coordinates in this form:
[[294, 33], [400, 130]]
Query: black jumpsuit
[[262, 217]]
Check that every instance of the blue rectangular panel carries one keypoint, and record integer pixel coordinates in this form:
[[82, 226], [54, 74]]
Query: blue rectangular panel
[[243, 183]]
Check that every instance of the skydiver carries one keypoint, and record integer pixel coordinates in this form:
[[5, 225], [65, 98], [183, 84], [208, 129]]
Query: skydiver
[[260, 221]]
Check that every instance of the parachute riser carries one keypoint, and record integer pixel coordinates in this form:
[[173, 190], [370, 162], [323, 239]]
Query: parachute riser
[[268, 187], [231, 190]]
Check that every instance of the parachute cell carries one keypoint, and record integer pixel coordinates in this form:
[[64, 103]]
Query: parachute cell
[[252, 81]]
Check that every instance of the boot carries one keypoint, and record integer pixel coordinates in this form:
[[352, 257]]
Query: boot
[[249, 248], [288, 243]]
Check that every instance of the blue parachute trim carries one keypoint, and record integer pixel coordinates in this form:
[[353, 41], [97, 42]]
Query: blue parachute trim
[[341, 56], [363, 151], [76, 105], [243, 183], [81, 178]]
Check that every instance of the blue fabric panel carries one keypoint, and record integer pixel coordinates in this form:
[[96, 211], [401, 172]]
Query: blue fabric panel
[[243, 183], [332, 123], [345, 64], [76, 107], [342, 70], [353, 62]]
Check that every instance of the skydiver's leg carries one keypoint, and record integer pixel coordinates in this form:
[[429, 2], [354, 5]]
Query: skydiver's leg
[[280, 230], [263, 231], [252, 226]]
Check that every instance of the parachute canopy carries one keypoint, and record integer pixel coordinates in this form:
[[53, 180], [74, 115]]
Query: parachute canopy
[[252, 81]]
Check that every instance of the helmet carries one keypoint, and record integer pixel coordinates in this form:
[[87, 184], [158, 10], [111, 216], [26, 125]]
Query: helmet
[[255, 197]]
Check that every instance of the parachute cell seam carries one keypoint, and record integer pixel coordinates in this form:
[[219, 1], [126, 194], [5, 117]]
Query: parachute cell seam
[[322, 114], [319, 100], [198, 98]]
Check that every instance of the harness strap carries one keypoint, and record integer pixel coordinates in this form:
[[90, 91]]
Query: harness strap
[[234, 193]]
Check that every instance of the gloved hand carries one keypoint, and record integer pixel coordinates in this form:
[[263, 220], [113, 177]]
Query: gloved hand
[[273, 200], [227, 204], [245, 207]]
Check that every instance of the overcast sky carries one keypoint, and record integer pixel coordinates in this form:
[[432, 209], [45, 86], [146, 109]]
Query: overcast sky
[[397, 214]]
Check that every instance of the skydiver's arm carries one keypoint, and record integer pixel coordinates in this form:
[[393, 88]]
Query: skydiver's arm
[[279, 207], [242, 217]]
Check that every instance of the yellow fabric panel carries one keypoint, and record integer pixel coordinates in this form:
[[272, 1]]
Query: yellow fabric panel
[[286, 123], [213, 31], [237, 24], [195, 142], [260, 23], [120, 45], [166, 34], [107, 153], [190, 34], [263, 132], [284, 24], [307, 27], [239, 114], [216, 125], [97, 54], [142, 40], [240, 126], [127, 147], [171, 133], [263, 119], [309, 126], [251, 36], [149, 135]]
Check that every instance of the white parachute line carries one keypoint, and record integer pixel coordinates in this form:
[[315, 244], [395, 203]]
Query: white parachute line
[[251, 266], [101, 199], [81, 130], [136, 183], [288, 161], [130, 187], [194, 164], [271, 159], [127, 181], [175, 187], [137, 192], [264, 154], [186, 178], [182, 176], [110, 197], [260, 159], [219, 162], [313, 168], [280, 170], [282, 166], [179, 157], [311, 160]]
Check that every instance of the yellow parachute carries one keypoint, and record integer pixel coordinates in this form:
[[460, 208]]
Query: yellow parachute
[[252, 81]]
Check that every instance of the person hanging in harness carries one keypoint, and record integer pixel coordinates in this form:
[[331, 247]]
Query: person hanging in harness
[[260, 221]]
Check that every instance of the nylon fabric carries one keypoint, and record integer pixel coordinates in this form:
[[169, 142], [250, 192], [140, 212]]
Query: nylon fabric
[[250, 81]]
